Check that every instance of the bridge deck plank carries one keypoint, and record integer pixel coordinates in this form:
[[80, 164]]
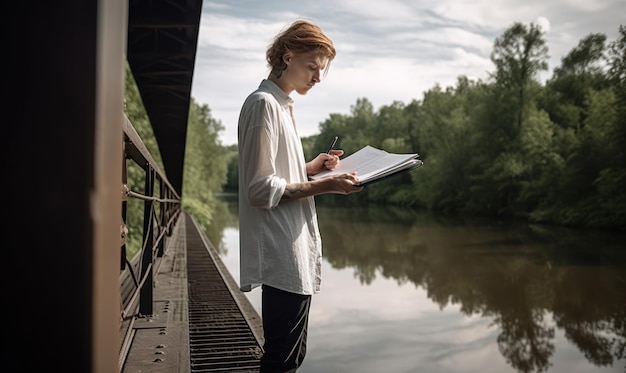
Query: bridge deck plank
[[164, 341]]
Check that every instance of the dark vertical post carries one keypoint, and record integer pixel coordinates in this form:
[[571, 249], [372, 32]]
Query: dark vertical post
[[61, 147], [162, 218], [124, 211], [147, 260]]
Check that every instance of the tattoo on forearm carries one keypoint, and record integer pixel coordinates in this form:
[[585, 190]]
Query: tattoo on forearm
[[291, 190]]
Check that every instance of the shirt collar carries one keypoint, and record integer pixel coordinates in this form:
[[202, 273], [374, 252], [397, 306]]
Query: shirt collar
[[275, 90]]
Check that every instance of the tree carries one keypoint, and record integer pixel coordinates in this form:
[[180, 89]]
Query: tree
[[617, 75], [205, 164], [519, 55], [580, 71], [391, 131]]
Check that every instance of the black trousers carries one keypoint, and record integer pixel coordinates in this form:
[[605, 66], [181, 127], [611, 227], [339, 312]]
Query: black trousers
[[285, 319]]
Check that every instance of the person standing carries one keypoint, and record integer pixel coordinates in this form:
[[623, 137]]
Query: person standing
[[280, 243]]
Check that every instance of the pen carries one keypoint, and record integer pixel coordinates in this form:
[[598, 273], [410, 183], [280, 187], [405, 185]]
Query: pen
[[332, 145]]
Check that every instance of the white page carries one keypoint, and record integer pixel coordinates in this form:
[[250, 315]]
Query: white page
[[382, 165], [367, 162]]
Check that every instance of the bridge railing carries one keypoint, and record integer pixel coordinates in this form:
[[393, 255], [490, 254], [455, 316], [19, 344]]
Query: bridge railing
[[161, 209]]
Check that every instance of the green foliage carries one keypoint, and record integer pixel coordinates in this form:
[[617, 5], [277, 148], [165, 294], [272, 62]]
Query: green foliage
[[510, 146], [137, 115], [580, 72], [617, 76], [519, 55], [232, 172], [205, 164], [310, 148], [198, 209]]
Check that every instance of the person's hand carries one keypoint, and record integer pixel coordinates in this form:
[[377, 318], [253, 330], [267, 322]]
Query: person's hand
[[344, 183], [324, 162]]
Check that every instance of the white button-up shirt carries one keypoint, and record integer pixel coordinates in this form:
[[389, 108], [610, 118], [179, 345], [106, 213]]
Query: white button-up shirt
[[279, 243]]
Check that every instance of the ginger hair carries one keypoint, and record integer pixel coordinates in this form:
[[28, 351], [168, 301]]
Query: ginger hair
[[300, 37]]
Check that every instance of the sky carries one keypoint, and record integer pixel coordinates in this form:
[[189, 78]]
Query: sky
[[387, 51]]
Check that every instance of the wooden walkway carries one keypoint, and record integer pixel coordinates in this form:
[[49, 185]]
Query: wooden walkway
[[201, 321]]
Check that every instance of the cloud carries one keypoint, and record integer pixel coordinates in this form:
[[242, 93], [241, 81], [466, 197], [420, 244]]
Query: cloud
[[543, 23], [387, 51]]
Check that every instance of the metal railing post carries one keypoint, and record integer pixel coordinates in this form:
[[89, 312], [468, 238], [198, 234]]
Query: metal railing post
[[162, 220], [146, 297]]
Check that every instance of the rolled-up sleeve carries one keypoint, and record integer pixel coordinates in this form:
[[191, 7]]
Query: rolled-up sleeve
[[258, 149]]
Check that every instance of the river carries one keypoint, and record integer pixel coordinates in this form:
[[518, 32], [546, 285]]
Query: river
[[405, 291]]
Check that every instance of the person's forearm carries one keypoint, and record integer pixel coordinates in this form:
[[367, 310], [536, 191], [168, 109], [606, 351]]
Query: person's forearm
[[340, 184], [302, 190]]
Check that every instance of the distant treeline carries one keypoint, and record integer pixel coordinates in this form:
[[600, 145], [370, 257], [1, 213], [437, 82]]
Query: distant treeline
[[510, 146]]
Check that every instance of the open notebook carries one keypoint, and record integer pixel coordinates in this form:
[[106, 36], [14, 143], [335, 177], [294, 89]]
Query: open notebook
[[373, 164]]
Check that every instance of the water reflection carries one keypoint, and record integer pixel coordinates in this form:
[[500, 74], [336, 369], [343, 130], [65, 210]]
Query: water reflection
[[516, 275], [532, 283]]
